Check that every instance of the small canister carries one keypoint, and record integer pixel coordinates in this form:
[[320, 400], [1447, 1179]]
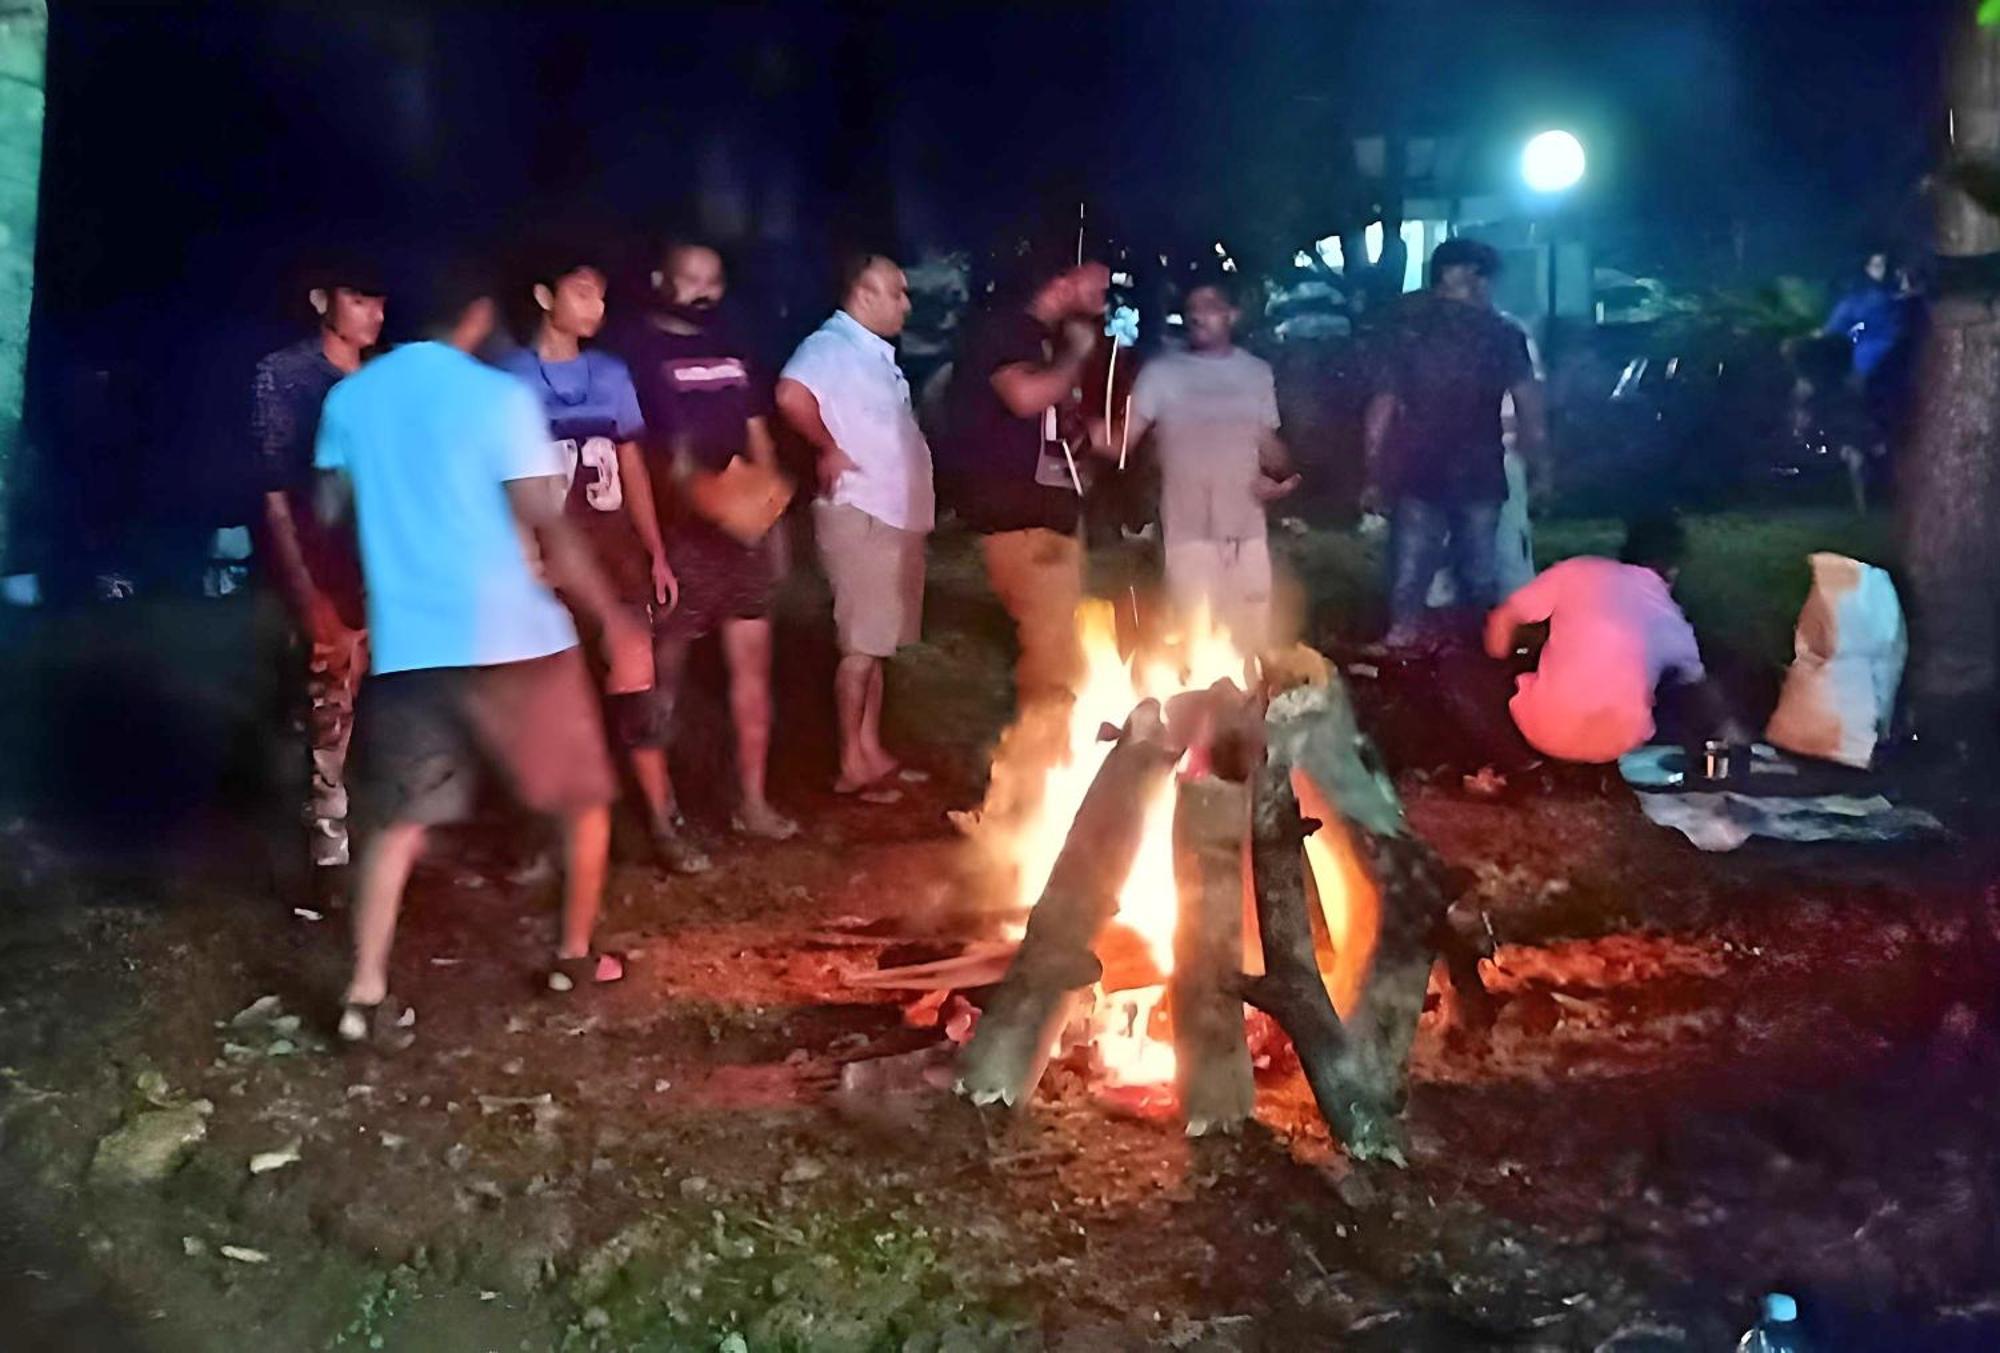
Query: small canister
[[1717, 761]]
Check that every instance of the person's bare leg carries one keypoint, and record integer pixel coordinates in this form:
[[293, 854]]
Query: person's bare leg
[[656, 785], [871, 725], [649, 764], [386, 861], [851, 682], [746, 648], [586, 856]]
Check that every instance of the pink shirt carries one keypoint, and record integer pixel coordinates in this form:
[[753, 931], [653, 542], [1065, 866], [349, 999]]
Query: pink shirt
[[1614, 631]]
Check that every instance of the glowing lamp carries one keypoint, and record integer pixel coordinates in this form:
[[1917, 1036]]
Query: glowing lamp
[[1552, 162]]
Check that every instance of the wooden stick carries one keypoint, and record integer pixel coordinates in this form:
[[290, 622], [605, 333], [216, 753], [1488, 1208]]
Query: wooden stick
[[1211, 1058], [1125, 433], [1017, 1031]]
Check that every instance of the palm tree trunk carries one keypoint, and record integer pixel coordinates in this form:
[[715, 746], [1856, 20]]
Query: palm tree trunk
[[1948, 477]]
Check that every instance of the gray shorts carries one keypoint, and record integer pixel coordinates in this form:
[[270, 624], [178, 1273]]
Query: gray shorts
[[423, 739]]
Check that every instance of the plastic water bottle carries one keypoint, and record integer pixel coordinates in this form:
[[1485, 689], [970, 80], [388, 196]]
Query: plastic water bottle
[[1778, 1331]]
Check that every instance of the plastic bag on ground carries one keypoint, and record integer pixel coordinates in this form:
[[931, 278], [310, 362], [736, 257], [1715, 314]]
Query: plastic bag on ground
[[1840, 691]]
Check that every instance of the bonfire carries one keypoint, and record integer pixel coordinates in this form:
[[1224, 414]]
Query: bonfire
[[1169, 834]]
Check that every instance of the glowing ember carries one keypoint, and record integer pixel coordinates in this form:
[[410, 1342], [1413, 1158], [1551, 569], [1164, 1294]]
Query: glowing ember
[[1042, 774]]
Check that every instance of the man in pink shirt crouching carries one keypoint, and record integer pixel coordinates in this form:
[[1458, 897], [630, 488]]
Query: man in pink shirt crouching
[[1615, 635]]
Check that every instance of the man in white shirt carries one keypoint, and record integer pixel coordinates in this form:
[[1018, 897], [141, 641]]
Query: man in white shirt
[[1615, 633], [449, 471], [844, 393], [1213, 413]]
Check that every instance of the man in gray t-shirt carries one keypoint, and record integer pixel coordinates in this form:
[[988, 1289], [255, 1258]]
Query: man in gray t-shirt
[[1213, 410]]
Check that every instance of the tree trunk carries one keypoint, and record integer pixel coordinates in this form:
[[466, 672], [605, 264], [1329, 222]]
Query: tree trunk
[[1947, 478], [1211, 1058], [1018, 1029], [24, 31]]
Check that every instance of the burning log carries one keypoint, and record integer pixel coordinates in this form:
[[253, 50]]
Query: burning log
[[1356, 1068], [1018, 1029], [1211, 1059]]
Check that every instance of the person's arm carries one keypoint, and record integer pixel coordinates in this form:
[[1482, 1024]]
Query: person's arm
[[1027, 388], [1274, 468], [639, 506], [274, 429], [800, 406], [1530, 605], [1379, 417], [1531, 432], [572, 569], [758, 445]]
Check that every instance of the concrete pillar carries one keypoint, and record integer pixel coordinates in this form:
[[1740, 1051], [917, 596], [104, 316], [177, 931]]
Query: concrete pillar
[[24, 33]]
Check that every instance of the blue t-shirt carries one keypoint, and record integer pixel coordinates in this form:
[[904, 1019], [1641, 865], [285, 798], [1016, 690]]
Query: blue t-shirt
[[593, 409], [430, 439]]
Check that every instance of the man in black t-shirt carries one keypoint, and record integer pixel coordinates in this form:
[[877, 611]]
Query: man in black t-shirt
[[705, 408], [1433, 434], [1021, 446]]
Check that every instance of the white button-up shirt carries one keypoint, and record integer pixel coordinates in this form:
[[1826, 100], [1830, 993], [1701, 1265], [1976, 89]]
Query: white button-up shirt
[[864, 400]]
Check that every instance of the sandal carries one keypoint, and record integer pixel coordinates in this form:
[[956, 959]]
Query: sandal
[[594, 969], [387, 1025]]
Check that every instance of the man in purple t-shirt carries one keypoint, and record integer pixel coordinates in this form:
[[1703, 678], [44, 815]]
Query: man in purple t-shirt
[[706, 412]]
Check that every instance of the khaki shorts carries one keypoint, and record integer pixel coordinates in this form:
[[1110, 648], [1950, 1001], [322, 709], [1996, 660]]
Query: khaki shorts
[[423, 739], [877, 574]]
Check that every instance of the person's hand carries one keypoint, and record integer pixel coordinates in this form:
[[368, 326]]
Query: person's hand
[[627, 654], [1079, 338], [323, 625], [1372, 500], [1268, 490], [666, 587], [833, 463]]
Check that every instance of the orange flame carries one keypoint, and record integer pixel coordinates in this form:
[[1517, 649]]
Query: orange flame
[[1131, 1051]]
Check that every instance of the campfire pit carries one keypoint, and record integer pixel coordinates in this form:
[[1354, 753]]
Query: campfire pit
[[1131, 809]]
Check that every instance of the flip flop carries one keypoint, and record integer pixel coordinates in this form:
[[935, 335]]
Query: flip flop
[[880, 795], [910, 775], [387, 1025], [594, 969]]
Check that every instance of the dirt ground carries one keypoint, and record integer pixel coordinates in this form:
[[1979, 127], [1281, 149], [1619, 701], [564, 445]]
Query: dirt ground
[[1712, 1076]]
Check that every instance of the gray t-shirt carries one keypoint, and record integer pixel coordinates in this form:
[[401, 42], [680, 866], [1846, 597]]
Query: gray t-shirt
[[1208, 414]]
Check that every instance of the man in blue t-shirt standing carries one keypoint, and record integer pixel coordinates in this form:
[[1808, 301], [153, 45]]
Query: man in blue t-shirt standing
[[593, 414], [447, 467]]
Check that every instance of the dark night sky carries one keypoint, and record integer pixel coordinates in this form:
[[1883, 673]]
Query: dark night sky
[[194, 150]]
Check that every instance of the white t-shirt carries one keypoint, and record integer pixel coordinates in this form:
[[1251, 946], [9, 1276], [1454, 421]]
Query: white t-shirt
[[864, 400], [430, 437], [1614, 632], [1208, 412]]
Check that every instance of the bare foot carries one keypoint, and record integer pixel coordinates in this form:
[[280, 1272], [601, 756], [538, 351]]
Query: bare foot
[[762, 820]]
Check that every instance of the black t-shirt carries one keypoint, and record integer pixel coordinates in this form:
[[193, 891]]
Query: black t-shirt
[[1008, 477], [1449, 363], [698, 393]]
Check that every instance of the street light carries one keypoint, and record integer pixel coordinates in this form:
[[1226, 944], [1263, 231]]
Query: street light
[[1552, 162]]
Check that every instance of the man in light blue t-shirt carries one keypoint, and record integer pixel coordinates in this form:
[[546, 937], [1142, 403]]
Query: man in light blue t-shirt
[[448, 468]]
